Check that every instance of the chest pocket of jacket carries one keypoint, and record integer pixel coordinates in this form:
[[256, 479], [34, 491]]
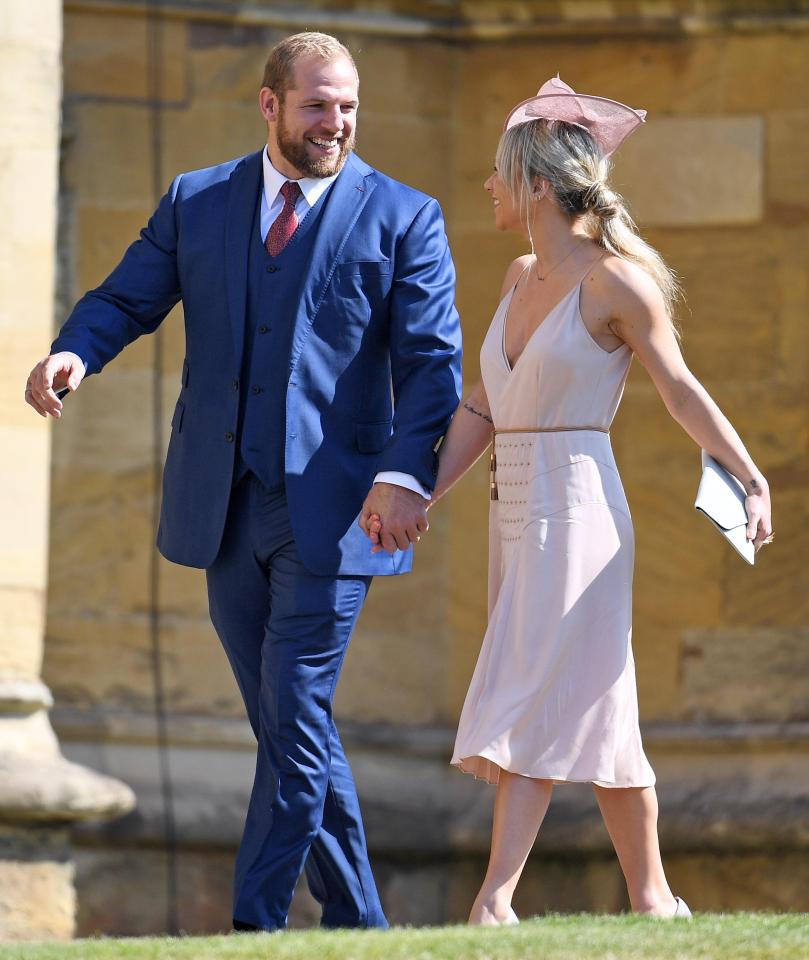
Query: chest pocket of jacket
[[363, 279]]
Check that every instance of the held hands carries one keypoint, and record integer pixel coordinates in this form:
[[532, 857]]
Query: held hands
[[57, 372], [393, 517]]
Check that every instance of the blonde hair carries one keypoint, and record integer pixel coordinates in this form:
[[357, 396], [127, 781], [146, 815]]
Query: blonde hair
[[279, 70], [569, 158]]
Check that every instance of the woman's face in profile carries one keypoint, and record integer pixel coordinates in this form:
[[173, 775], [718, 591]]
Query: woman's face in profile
[[506, 215]]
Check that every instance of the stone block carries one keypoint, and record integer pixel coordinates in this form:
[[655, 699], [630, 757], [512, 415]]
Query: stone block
[[196, 672], [694, 171], [21, 24], [404, 77], [482, 256], [474, 151], [118, 647], [37, 899], [101, 556], [24, 492], [33, 69], [777, 595], [208, 132], [771, 419], [410, 148], [552, 885], [394, 669], [102, 236], [125, 893], [22, 619], [780, 80], [184, 596], [108, 57], [744, 673], [775, 881], [228, 67], [787, 135], [730, 320], [679, 77], [107, 160], [793, 293]]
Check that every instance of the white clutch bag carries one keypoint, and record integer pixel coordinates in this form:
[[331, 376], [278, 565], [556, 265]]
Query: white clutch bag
[[721, 498]]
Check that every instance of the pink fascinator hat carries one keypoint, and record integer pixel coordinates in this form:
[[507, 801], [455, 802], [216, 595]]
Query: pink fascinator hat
[[608, 121]]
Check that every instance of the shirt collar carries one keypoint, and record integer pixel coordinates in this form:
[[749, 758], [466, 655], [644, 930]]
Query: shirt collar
[[312, 188]]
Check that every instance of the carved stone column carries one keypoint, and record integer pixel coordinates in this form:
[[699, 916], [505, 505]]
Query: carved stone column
[[41, 793]]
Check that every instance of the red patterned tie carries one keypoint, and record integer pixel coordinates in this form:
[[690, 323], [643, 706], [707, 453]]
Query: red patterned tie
[[286, 223]]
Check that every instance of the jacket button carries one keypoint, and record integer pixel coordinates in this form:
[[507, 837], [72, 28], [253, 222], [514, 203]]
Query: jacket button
[[255, 390], [235, 383], [272, 269], [263, 328], [229, 437]]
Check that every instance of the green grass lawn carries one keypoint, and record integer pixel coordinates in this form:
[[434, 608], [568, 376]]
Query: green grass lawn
[[741, 936]]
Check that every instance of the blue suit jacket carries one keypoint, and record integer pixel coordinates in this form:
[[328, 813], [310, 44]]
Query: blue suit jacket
[[374, 367]]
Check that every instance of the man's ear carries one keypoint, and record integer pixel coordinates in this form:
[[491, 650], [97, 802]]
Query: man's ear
[[268, 104], [541, 188]]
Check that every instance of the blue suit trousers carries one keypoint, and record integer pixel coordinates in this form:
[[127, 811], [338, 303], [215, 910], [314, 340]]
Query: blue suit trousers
[[286, 632]]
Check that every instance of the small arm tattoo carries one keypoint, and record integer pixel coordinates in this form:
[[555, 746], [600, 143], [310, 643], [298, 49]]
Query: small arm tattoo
[[754, 486], [468, 406]]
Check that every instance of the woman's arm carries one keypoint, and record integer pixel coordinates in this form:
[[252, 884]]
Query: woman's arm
[[640, 320], [469, 435]]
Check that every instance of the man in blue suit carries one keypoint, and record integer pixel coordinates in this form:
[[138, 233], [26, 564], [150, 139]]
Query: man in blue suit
[[322, 368]]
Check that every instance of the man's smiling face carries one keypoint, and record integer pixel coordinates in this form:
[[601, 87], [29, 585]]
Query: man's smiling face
[[311, 131]]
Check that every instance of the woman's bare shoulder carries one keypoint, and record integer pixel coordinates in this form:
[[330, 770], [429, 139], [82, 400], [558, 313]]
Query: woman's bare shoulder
[[626, 287], [515, 269]]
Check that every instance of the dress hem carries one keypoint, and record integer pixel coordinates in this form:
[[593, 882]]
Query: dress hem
[[462, 765]]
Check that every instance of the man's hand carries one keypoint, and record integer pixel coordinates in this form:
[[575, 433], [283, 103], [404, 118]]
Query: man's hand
[[56, 372], [401, 513]]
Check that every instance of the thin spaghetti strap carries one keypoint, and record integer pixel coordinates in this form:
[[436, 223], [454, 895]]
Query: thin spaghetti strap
[[593, 265], [524, 270]]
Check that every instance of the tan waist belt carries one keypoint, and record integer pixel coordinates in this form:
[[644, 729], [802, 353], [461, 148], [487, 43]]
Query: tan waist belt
[[493, 459]]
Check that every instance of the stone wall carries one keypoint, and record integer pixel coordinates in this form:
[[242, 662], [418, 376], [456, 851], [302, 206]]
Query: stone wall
[[717, 181]]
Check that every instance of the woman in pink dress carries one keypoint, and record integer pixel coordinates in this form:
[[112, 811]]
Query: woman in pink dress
[[553, 697]]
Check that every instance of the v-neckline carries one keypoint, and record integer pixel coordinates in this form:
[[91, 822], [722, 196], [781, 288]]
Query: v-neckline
[[512, 367]]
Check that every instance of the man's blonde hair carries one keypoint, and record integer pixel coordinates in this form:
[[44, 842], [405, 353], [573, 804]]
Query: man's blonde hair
[[279, 71]]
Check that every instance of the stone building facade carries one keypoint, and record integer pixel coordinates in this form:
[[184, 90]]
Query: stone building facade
[[717, 180]]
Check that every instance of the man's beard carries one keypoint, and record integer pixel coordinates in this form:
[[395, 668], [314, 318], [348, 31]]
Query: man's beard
[[295, 152]]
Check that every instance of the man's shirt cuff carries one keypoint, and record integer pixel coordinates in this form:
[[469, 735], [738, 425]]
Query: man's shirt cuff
[[402, 480]]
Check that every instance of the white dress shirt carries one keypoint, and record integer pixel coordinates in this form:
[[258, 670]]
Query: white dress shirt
[[312, 189]]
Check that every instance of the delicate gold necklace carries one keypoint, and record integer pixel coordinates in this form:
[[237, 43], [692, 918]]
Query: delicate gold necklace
[[559, 264]]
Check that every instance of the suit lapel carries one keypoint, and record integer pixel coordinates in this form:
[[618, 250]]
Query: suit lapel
[[245, 183], [348, 195]]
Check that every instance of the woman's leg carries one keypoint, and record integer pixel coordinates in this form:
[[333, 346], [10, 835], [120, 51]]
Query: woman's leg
[[630, 815], [519, 809]]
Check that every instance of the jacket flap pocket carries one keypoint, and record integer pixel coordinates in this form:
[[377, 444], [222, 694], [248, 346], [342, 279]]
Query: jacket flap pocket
[[372, 437], [366, 268]]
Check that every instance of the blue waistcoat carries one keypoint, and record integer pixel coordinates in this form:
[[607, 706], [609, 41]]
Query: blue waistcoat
[[273, 289]]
